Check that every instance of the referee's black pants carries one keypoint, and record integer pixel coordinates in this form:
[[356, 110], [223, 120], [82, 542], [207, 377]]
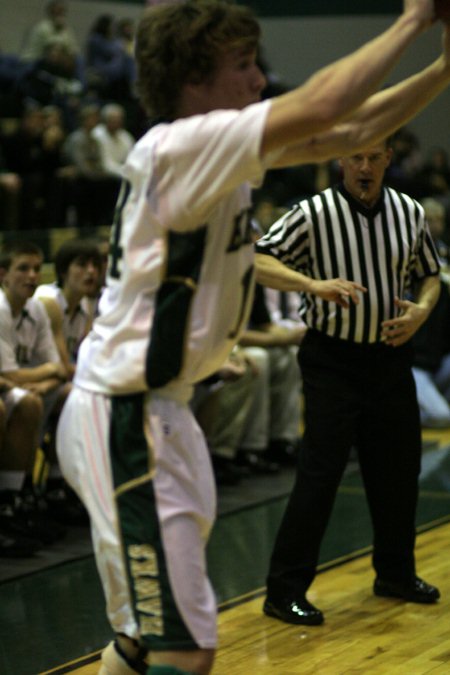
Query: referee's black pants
[[362, 396]]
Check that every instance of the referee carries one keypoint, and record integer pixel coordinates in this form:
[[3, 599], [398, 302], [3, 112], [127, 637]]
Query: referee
[[356, 368]]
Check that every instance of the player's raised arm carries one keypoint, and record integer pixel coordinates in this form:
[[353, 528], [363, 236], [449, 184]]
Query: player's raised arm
[[338, 89], [378, 117]]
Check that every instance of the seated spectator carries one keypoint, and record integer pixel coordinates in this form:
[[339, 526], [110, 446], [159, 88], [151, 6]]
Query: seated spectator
[[431, 366], [54, 80], [11, 69], [435, 215], [96, 190], [403, 173], [125, 35], [34, 153], [91, 299], [109, 69], [51, 30], [435, 174], [115, 141], [30, 359], [271, 432], [253, 405], [77, 266], [24, 527], [221, 405], [10, 185]]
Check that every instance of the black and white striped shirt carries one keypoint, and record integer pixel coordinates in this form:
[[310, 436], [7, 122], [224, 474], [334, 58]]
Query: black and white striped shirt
[[385, 248]]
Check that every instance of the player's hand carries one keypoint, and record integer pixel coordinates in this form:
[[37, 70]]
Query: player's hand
[[340, 291], [423, 10], [396, 332]]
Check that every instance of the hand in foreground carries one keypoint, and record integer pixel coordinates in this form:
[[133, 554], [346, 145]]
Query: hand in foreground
[[422, 9], [396, 332], [339, 291]]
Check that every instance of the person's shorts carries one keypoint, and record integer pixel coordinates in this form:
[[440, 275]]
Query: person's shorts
[[141, 466]]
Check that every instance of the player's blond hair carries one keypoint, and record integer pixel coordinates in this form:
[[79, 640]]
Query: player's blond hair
[[181, 42]]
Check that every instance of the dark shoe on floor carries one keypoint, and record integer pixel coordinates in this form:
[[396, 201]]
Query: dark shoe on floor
[[225, 471], [15, 520], [298, 612], [17, 547], [283, 452], [257, 462], [415, 591], [63, 504], [34, 508]]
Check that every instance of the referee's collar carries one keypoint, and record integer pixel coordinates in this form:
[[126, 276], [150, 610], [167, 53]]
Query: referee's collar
[[367, 212]]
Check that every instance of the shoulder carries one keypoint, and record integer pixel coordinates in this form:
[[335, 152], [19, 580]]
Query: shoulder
[[36, 311], [217, 128], [3, 299], [47, 291], [412, 205], [4, 304]]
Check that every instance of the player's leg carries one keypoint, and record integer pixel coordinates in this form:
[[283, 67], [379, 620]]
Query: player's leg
[[389, 447], [62, 504], [183, 632], [151, 500]]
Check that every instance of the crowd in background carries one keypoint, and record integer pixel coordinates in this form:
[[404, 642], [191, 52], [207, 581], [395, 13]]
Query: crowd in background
[[69, 115], [52, 123], [58, 141]]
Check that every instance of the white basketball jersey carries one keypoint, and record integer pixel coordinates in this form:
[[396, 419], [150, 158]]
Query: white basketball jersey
[[180, 278]]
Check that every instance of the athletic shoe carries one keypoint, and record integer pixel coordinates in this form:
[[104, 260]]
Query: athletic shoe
[[115, 662]]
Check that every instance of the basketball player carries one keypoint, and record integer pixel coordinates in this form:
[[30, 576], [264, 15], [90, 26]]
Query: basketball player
[[179, 288]]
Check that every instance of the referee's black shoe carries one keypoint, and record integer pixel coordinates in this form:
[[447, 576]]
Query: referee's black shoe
[[417, 590], [298, 612]]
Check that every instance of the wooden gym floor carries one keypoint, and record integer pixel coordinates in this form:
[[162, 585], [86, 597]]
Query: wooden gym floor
[[52, 620]]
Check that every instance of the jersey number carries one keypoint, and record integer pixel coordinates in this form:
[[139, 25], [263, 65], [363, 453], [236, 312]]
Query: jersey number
[[115, 249]]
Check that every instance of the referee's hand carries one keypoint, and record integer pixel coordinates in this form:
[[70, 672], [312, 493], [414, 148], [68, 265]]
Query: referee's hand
[[396, 332], [340, 291]]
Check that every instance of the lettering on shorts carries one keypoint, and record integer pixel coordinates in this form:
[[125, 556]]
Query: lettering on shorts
[[144, 572]]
